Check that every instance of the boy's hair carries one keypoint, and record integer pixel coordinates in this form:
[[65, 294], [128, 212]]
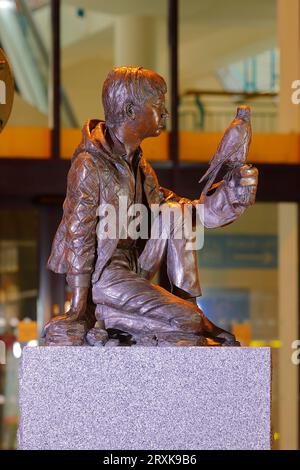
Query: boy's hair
[[128, 85]]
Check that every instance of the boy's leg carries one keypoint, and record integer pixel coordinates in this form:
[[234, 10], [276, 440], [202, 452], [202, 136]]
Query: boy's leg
[[131, 304], [182, 263]]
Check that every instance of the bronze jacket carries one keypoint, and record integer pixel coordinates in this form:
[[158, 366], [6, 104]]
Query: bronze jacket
[[98, 174]]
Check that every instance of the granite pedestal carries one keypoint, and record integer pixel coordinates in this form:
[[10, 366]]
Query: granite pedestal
[[145, 398]]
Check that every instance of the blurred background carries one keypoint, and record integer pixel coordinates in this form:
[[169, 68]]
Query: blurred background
[[214, 56]]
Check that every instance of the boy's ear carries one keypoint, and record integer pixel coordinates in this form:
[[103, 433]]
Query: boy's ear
[[129, 111]]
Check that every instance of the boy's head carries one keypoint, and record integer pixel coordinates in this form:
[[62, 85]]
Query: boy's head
[[131, 94]]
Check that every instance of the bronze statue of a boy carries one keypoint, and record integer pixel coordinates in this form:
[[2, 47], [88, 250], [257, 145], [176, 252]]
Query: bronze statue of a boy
[[117, 271]]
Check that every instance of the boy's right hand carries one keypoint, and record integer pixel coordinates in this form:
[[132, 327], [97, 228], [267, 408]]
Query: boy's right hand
[[78, 305]]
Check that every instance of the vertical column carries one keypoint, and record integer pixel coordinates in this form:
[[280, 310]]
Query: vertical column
[[288, 324], [55, 92], [288, 25], [173, 55], [135, 41]]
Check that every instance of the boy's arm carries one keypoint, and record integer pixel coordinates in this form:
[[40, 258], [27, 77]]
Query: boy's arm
[[229, 200], [80, 220]]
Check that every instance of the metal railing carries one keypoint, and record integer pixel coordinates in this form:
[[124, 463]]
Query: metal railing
[[212, 111]]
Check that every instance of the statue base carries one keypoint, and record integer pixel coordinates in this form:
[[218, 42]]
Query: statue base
[[145, 398]]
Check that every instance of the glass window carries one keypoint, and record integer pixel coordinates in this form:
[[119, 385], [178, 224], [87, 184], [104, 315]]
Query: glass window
[[25, 39], [224, 51], [97, 36], [18, 300], [249, 272]]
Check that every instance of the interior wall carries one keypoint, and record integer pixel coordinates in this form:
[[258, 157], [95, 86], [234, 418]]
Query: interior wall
[[83, 85], [25, 115]]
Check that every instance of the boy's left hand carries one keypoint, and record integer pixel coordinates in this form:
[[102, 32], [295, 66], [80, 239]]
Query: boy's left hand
[[244, 183]]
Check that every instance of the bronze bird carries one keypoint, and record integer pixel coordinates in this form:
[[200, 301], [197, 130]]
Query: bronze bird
[[232, 150]]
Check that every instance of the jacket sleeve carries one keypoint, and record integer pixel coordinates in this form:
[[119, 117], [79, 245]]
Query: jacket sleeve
[[226, 203], [79, 222]]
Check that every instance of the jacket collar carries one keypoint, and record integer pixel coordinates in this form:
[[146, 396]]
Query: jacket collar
[[97, 140]]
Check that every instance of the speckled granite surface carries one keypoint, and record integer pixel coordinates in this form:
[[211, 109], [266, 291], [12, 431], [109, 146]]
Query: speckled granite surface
[[145, 398]]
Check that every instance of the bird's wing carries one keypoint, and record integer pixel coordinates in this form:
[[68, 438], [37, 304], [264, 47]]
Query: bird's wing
[[214, 169], [233, 147], [218, 162]]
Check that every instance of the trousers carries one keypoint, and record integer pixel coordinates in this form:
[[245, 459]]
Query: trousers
[[127, 300]]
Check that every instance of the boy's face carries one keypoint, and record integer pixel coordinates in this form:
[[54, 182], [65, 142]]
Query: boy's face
[[150, 117]]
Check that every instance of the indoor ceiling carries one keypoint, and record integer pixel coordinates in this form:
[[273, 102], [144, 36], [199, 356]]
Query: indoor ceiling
[[205, 13], [213, 33]]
